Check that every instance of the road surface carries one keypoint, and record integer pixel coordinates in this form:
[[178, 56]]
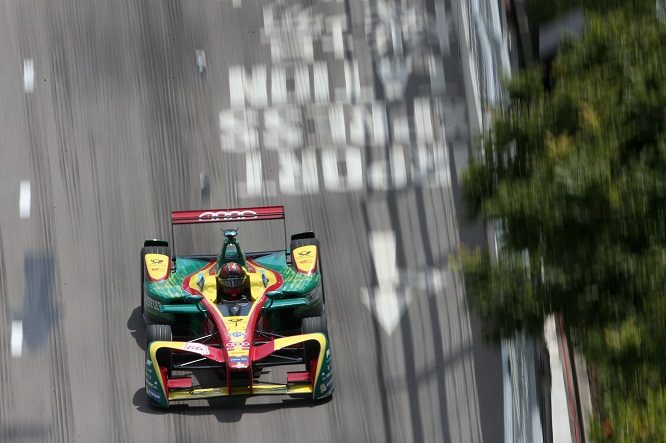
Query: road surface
[[350, 113]]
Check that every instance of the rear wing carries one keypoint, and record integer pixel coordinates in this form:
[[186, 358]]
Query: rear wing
[[227, 215], [258, 213]]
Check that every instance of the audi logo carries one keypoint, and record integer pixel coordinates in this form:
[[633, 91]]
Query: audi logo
[[228, 215]]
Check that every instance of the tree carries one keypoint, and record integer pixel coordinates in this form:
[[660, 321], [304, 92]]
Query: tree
[[577, 178], [541, 11]]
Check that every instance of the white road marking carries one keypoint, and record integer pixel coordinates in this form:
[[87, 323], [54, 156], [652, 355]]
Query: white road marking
[[334, 181], [200, 56], [239, 130], [371, 121], [282, 128], [379, 124], [352, 80], [302, 83], [398, 169], [244, 88], [401, 131], [338, 42], [390, 300], [28, 75], [310, 176], [279, 85], [321, 93], [24, 199], [297, 179], [336, 118], [17, 338], [423, 120], [253, 173]]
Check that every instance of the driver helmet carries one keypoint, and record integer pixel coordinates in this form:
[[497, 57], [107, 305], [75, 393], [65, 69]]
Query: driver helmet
[[232, 279]]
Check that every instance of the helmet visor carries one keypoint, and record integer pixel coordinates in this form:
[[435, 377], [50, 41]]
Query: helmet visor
[[232, 282]]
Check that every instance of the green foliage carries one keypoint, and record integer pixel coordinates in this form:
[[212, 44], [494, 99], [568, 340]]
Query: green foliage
[[543, 11], [577, 178]]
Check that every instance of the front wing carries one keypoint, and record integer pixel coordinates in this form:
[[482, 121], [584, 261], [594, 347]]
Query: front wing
[[316, 384]]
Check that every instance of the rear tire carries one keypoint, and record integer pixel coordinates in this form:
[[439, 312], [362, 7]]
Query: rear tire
[[164, 250], [160, 333]]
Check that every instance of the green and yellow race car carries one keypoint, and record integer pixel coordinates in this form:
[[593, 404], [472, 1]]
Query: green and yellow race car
[[234, 315]]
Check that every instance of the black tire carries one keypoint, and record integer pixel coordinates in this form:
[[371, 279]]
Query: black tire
[[311, 325], [164, 250], [160, 333], [307, 242]]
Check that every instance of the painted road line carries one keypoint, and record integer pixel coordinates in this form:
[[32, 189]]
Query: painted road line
[[334, 180], [352, 81], [279, 85], [302, 83], [398, 169], [384, 257], [251, 88], [338, 126], [379, 124], [389, 299], [254, 173], [28, 75], [24, 199], [423, 121], [200, 56], [17, 338], [320, 74], [338, 42]]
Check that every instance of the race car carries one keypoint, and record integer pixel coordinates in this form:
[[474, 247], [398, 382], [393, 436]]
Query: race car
[[219, 325]]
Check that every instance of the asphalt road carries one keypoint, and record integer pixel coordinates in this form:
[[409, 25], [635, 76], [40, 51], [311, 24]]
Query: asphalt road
[[358, 129]]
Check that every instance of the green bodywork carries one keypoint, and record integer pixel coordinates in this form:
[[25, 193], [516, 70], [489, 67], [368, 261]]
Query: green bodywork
[[300, 295]]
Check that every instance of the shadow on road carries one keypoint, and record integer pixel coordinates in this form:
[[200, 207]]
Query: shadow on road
[[41, 311], [226, 410], [137, 327]]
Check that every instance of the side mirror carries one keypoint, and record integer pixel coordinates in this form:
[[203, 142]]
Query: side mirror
[[192, 298]]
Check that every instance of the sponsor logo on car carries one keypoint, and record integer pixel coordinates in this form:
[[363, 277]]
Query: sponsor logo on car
[[197, 348], [228, 215], [277, 388], [152, 303]]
